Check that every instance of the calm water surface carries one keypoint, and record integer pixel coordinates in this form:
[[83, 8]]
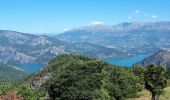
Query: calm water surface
[[127, 62], [30, 68]]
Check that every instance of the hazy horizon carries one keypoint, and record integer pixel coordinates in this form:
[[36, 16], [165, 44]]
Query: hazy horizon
[[84, 25]]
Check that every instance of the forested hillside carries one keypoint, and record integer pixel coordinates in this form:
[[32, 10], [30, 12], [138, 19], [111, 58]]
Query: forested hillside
[[11, 73], [75, 77], [79, 77]]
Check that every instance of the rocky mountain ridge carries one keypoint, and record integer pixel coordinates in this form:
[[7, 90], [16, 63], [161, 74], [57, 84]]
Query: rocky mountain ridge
[[133, 38], [17, 47]]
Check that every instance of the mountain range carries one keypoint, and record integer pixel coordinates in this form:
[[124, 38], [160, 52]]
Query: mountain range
[[17, 47], [132, 38], [101, 41]]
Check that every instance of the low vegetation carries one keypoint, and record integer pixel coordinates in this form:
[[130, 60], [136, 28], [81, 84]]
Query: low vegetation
[[22, 91], [11, 73], [76, 77]]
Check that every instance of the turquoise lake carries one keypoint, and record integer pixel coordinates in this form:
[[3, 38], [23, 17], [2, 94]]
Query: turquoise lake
[[30, 68], [127, 62]]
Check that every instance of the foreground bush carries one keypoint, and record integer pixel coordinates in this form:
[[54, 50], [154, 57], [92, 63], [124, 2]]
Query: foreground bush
[[86, 78]]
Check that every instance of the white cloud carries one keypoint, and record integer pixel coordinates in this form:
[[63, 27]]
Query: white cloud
[[66, 29], [151, 16], [137, 11], [96, 22], [129, 17], [138, 14], [134, 14], [146, 14], [154, 16]]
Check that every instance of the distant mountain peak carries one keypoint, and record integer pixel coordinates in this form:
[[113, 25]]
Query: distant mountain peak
[[125, 26], [94, 27], [129, 23]]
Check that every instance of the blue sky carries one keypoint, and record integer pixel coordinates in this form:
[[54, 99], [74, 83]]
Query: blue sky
[[37, 16]]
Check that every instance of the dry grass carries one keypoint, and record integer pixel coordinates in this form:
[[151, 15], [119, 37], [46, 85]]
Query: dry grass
[[145, 95], [166, 95]]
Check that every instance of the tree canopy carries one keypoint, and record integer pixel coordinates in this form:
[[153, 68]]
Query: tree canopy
[[155, 79], [86, 78]]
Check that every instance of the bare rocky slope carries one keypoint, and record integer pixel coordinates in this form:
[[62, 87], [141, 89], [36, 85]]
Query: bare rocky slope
[[17, 47]]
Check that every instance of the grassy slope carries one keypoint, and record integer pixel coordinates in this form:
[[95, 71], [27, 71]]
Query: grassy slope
[[145, 95]]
